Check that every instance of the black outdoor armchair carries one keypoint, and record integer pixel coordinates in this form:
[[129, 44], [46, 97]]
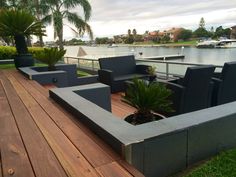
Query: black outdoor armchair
[[114, 71], [224, 85], [193, 91]]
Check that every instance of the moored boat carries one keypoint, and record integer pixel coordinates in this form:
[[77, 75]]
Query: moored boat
[[226, 43]]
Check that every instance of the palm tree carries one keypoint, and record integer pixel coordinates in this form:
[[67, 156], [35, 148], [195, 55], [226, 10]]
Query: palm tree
[[58, 10], [19, 24]]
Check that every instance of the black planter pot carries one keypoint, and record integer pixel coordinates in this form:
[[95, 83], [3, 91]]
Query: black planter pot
[[23, 60], [131, 119], [152, 78]]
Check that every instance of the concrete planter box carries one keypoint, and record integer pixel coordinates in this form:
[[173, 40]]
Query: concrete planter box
[[158, 148], [64, 76]]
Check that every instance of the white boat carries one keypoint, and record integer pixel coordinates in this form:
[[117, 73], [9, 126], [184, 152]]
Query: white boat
[[112, 45], [226, 43], [207, 44]]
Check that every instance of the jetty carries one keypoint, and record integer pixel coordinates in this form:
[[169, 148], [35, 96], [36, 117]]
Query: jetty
[[164, 57]]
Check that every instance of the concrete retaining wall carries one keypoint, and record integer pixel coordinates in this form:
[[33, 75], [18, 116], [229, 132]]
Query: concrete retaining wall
[[158, 148], [64, 76]]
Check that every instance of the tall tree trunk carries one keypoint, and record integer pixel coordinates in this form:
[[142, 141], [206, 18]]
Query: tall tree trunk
[[60, 38], [41, 41], [21, 45], [28, 38]]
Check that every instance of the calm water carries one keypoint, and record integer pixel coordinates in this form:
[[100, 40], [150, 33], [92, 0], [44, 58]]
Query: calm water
[[192, 54]]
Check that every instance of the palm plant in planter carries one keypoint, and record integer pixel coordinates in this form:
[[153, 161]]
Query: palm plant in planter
[[152, 73], [149, 99], [50, 57], [20, 24]]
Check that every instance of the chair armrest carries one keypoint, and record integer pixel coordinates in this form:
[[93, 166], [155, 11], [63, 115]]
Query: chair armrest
[[105, 76], [213, 79], [216, 75], [173, 86], [142, 69], [177, 81], [177, 96]]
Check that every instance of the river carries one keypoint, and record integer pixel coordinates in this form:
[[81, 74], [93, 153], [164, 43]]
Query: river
[[192, 54], [215, 56]]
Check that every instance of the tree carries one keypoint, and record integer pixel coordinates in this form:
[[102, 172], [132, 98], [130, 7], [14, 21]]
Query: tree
[[221, 32], [129, 32], [23, 25], [202, 23], [201, 32], [185, 34], [134, 34], [165, 39], [57, 11]]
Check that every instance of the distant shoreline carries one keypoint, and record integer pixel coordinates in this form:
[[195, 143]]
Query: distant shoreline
[[155, 45]]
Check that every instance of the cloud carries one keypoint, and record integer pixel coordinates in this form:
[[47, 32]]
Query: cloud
[[111, 17], [117, 16]]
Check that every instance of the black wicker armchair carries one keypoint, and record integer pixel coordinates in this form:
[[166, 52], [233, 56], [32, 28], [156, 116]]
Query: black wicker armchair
[[114, 71]]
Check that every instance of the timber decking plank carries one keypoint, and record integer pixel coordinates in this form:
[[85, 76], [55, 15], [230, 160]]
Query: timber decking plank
[[70, 158], [113, 170], [44, 91], [15, 161], [0, 164], [14, 158], [42, 157], [93, 153], [130, 168]]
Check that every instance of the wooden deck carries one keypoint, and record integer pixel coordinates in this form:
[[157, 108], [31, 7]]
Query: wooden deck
[[40, 139], [119, 108]]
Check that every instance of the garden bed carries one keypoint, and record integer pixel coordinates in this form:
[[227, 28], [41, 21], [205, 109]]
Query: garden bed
[[158, 148], [65, 75]]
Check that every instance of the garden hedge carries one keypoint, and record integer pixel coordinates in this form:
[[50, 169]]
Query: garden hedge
[[7, 52]]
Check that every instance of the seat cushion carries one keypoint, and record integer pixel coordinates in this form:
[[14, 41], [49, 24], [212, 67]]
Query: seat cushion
[[129, 77]]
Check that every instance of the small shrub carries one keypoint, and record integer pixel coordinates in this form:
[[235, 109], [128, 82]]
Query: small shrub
[[8, 52], [50, 57], [147, 98]]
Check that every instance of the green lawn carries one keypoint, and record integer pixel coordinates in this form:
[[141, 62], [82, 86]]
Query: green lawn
[[223, 165], [7, 66], [187, 43]]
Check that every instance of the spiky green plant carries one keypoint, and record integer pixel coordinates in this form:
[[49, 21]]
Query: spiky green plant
[[50, 56], [19, 24], [147, 98]]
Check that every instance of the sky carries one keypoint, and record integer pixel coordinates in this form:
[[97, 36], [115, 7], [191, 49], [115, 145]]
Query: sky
[[114, 17]]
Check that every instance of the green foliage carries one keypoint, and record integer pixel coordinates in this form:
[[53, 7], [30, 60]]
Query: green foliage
[[223, 165], [201, 32], [7, 52], [202, 23], [129, 39], [221, 32], [148, 98], [50, 56], [165, 39], [152, 70], [103, 40], [185, 34], [19, 22], [57, 11]]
